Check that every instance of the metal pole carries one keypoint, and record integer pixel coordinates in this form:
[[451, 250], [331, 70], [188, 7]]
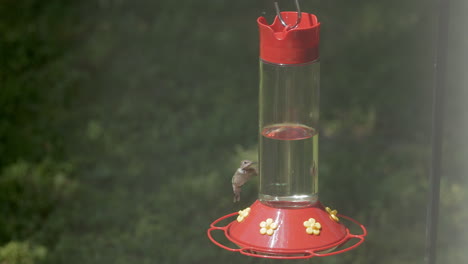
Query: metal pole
[[437, 130]]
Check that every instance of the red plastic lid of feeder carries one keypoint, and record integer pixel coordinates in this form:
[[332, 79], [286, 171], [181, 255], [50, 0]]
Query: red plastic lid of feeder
[[284, 45], [264, 231]]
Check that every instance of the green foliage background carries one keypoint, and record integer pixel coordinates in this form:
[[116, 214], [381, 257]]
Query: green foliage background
[[121, 123]]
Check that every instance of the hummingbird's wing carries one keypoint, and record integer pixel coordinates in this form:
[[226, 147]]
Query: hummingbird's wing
[[254, 172]]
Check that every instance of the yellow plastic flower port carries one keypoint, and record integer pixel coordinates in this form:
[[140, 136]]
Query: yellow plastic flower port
[[312, 227], [333, 214], [268, 227], [243, 214]]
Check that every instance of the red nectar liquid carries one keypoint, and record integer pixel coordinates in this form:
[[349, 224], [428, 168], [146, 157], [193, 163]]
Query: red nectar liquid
[[289, 165]]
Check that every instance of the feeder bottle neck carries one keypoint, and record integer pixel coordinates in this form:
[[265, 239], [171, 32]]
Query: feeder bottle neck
[[283, 45]]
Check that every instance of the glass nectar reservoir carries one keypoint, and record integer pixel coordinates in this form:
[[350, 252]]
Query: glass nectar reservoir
[[289, 113]]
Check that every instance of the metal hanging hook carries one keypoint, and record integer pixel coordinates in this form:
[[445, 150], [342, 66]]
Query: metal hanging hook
[[299, 15]]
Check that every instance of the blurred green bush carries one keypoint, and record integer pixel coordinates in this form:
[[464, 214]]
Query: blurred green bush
[[21, 253], [121, 123], [28, 194]]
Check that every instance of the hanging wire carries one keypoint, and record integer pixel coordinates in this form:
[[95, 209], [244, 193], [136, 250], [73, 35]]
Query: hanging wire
[[299, 15]]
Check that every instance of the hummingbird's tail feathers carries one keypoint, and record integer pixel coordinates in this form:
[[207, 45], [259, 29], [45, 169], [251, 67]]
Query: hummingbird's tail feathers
[[236, 197]]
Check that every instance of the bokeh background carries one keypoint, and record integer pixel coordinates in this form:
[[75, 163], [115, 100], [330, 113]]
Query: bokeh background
[[122, 122]]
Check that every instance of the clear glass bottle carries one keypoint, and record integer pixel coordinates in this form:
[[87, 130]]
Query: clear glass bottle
[[288, 151], [289, 110]]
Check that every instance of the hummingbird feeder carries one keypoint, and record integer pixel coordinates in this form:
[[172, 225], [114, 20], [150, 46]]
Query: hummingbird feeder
[[288, 221]]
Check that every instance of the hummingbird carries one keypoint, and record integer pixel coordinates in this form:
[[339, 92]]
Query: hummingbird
[[242, 175]]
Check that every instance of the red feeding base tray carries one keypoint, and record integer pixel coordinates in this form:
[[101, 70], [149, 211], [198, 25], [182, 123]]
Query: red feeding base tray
[[287, 233]]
